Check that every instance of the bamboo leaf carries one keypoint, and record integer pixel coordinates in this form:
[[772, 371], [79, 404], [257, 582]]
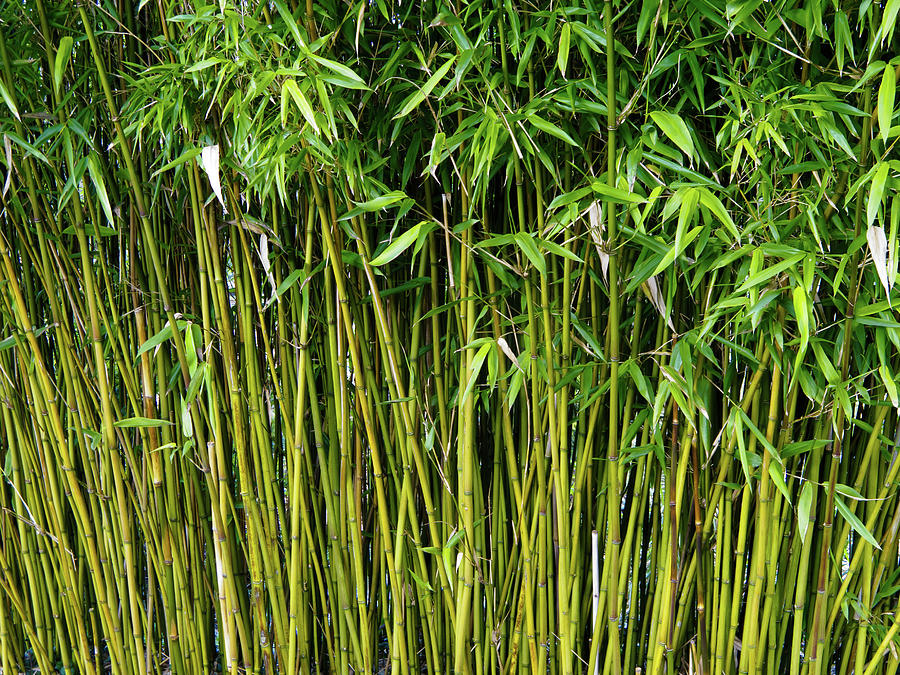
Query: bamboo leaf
[[527, 245], [876, 192], [714, 204], [100, 187], [413, 101], [178, 161], [356, 82], [802, 313], [289, 281], [776, 473], [741, 444], [552, 129], [677, 249], [616, 195], [760, 436], [767, 273], [886, 95], [381, 202], [831, 375], [477, 362], [164, 334], [92, 231], [847, 491], [288, 19], [419, 581], [141, 423], [399, 245], [804, 506], [855, 522], [675, 128], [558, 250], [888, 23], [198, 378], [7, 99], [204, 64], [562, 56], [457, 536], [890, 384], [63, 52], [290, 87]]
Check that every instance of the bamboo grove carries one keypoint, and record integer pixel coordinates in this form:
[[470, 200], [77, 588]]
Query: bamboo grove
[[485, 337]]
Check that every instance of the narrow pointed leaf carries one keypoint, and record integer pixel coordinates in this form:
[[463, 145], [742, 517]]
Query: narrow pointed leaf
[[855, 522], [417, 97], [398, 246], [886, 95], [675, 128]]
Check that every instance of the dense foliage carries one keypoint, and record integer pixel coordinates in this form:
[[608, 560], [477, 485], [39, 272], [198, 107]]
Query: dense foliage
[[479, 337]]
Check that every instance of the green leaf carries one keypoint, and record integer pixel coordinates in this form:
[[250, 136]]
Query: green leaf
[[447, 558], [373, 205], [760, 436], [839, 138], [677, 249], [458, 535], [159, 338], [569, 197], [92, 231], [848, 491], [181, 159], [558, 250], [63, 52], [769, 272], [331, 127], [888, 23], [420, 582], [741, 443], [204, 64], [420, 95], [141, 422], [289, 281], [803, 509], [855, 522], [288, 18], [4, 94], [886, 94], [889, 384], [876, 192], [100, 187], [562, 56], [399, 245], [674, 127], [776, 473], [29, 149], [354, 80], [717, 208], [7, 342], [526, 242], [800, 309], [477, 362], [290, 87], [552, 129], [828, 369], [616, 195], [198, 378]]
